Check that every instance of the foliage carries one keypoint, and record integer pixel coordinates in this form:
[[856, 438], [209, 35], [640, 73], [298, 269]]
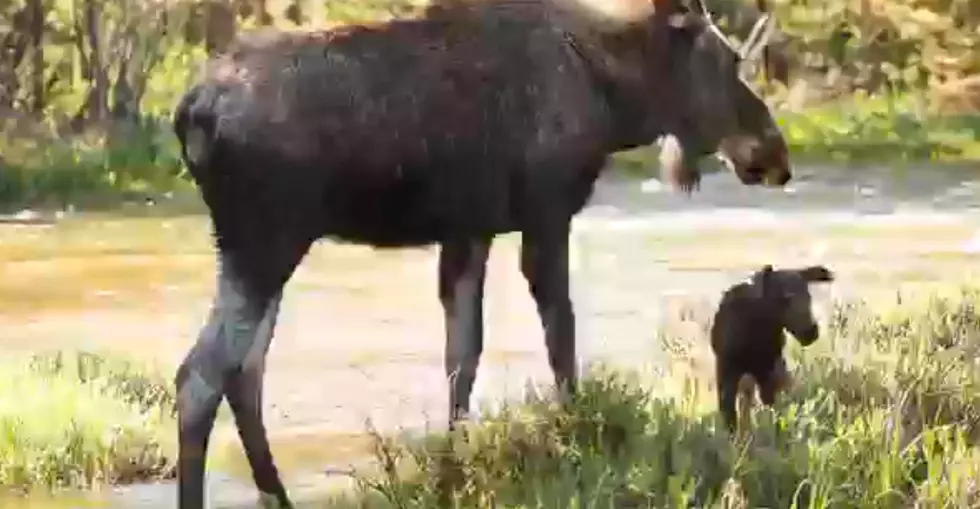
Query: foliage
[[77, 419], [90, 170], [885, 414], [87, 87], [880, 130]]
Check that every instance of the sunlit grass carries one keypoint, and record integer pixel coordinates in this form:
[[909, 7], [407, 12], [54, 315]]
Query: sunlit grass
[[75, 420], [885, 414]]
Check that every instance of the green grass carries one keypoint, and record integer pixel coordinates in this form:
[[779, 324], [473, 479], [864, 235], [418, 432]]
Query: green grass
[[879, 130], [885, 414], [76, 420], [91, 172]]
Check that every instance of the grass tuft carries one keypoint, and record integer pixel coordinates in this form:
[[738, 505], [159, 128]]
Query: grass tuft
[[76, 420]]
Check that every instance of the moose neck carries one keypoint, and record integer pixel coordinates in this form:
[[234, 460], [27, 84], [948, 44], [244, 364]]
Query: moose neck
[[628, 56], [640, 105]]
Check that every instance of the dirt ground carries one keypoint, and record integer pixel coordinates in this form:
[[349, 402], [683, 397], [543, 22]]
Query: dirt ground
[[360, 335]]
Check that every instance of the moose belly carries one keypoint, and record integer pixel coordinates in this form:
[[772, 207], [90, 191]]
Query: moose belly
[[418, 206]]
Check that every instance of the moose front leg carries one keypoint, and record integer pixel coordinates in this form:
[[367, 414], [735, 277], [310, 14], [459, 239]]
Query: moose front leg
[[544, 263], [244, 392], [228, 360]]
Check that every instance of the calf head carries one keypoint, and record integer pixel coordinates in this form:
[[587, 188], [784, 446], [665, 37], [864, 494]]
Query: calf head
[[786, 293], [710, 108]]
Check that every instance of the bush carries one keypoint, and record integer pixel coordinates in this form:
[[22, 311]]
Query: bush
[[81, 419], [885, 415], [879, 130], [90, 170]]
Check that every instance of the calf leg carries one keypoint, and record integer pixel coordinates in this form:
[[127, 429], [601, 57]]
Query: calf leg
[[773, 382], [747, 388], [462, 272], [544, 263], [231, 345], [728, 387]]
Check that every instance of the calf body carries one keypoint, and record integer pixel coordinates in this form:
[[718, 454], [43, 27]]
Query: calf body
[[747, 333], [479, 118]]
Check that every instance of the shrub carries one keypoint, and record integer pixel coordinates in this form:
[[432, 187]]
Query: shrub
[[80, 419]]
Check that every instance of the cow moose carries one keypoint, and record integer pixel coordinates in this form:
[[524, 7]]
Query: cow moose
[[747, 334], [474, 119]]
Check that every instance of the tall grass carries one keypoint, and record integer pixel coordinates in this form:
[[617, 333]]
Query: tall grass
[[885, 414], [79, 419], [881, 129], [93, 171]]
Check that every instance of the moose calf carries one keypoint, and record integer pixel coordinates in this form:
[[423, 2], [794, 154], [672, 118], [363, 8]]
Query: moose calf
[[747, 333]]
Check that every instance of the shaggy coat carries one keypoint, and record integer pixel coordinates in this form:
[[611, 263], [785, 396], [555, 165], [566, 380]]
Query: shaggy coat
[[478, 118], [747, 333]]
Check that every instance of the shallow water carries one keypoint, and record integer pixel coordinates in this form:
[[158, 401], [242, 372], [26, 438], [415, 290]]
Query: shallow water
[[357, 318]]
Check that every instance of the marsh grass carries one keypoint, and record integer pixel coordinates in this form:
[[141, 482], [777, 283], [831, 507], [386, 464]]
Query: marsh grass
[[876, 129], [885, 414], [93, 173], [77, 420]]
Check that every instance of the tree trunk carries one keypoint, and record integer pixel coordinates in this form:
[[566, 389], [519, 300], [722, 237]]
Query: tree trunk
[[294, 12], [37, 56], [13, 49], [100, 92]]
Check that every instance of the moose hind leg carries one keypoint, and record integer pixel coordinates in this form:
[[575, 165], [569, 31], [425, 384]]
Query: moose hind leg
[[544, 263], [462, 273], [234, 341]]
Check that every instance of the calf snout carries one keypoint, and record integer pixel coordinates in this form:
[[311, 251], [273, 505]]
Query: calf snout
[[783, 179], [808, 334]]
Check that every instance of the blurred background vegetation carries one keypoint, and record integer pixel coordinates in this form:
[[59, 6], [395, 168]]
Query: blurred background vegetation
[[87, 86]]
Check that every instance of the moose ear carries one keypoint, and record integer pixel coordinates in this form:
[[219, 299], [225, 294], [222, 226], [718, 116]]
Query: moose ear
[[817, 274], [762, 281]]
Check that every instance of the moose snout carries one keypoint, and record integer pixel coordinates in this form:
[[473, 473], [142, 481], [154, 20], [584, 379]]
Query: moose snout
[[759, 161], [775, 159]]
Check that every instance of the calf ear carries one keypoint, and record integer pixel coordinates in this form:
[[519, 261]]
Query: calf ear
[[817, 274], [762, 281]]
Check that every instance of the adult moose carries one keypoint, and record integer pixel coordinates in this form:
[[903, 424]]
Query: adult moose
[[480, 117]]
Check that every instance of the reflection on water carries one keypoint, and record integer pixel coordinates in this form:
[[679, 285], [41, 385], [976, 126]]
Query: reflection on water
[[360, 335]]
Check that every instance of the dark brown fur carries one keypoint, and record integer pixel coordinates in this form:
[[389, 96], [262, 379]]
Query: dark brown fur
[[478, 118], [747, 334]]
